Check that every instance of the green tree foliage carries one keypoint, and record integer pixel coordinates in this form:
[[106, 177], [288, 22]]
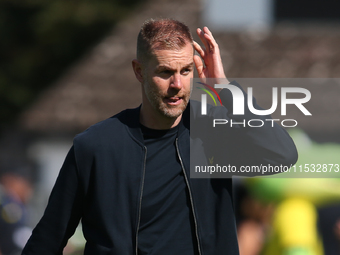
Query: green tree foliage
[[40, 38]]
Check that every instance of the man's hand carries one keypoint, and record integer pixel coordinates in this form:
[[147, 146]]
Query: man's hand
[[211, 66]]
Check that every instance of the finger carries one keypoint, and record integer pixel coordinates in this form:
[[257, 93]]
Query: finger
[[210, 38], [207, 31], [211, 45], [200, 34], [199, 49], [199, 66]]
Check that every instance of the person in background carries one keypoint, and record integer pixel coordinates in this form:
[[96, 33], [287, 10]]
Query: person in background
[[15, 191]]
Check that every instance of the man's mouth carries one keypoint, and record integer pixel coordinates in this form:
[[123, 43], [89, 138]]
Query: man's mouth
[[173, 101]]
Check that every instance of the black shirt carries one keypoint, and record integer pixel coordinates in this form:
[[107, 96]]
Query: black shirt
[[166, 225]]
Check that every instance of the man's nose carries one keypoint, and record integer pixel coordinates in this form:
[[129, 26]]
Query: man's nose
[[176, 81]]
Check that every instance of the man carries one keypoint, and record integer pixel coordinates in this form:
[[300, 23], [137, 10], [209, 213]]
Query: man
[[127, 178]]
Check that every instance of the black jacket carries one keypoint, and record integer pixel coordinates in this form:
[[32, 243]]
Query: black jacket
[[101, 183]]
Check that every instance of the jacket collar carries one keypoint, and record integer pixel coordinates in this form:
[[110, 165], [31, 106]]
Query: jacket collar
[[130, 118]]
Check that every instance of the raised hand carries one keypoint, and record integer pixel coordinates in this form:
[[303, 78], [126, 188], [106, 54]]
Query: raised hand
[[209, 65]]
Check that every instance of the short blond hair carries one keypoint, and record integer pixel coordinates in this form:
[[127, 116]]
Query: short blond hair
[[162, 34]]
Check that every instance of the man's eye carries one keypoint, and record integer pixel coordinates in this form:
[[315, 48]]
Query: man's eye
[[167, 72], [186, 71]]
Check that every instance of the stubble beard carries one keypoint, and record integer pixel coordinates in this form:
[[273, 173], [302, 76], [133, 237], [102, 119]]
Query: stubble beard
[[156, 101]]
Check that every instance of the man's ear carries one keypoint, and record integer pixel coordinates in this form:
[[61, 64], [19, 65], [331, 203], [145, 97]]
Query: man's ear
[[137, 68]]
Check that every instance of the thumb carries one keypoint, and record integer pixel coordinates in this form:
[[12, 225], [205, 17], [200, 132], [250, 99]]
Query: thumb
[[199, 66]]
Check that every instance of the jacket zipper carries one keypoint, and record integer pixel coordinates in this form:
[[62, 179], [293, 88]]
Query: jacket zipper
[[140, 199], [190, 196]]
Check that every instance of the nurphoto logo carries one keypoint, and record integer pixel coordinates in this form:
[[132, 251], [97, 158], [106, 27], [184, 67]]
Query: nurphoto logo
[[239, 104]]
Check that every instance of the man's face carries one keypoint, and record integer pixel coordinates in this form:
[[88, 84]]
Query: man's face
[[166, 81]]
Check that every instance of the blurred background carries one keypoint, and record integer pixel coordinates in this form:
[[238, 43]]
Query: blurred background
[[65, 65]]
